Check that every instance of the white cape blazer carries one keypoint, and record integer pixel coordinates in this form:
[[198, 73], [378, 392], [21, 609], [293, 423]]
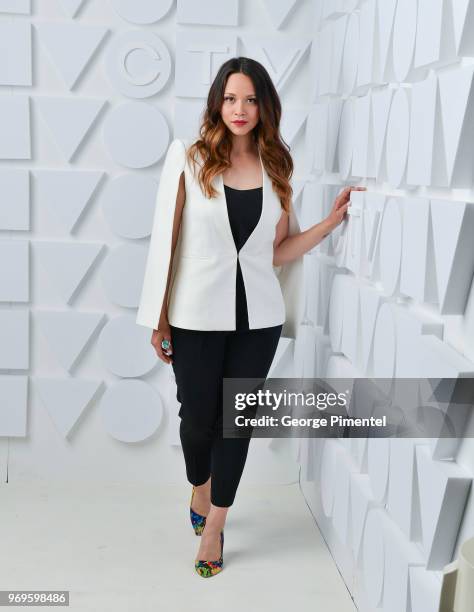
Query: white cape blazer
[[202, 289]]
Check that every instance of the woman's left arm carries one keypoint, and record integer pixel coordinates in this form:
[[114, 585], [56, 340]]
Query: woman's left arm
[[286, 248]]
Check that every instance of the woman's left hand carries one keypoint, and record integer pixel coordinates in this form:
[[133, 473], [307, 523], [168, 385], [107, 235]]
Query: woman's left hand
[[340, 206]]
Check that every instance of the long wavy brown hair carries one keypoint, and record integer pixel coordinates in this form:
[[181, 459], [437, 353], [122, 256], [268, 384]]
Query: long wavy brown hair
[[212, 150]]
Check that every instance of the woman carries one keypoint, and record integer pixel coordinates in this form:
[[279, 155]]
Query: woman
[[219, 286]]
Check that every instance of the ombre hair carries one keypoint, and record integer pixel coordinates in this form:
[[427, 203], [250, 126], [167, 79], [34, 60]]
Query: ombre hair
[[214, 145]]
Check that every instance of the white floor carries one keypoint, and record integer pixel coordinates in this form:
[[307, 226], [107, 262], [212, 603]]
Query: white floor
[[132, 548]]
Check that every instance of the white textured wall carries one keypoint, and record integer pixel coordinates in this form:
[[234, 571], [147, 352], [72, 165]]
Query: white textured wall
[[392, 295], [91, 93]]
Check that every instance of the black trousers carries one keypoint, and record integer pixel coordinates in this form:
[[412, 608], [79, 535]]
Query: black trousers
[[201, 359]]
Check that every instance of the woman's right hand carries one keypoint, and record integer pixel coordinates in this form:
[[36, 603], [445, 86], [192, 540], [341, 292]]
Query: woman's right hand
[[162, 333]]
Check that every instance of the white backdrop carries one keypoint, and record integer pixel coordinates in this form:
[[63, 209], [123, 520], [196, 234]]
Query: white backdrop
[[392, 293], [91, 94]]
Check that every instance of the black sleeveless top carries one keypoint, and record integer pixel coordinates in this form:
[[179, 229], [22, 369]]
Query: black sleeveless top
[[244, 207]]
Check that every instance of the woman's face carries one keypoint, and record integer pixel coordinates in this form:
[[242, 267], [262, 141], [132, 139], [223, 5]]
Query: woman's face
[[240, 104]]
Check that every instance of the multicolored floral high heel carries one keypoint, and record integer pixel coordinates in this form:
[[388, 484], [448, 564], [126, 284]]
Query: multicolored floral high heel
[[206, 569], [198, 521]]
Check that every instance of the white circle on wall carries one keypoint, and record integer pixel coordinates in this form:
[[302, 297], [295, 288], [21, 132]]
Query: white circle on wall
[[350, 54], [374, 556], [404, 38], [122, 274], [136, 134], [398, 133], [384, 346], [390, 247], [131, 410], [138, 63], [346, 139], [125, 347], [128, 204], [142, 11]]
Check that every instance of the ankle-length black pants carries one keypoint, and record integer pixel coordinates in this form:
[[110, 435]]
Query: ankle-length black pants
[[201, 359]]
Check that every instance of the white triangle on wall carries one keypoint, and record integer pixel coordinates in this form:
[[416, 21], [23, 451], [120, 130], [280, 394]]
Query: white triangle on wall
[[66, 193], [69, 120], [67, 332], [70, 47], [67, 263], [66, 399]]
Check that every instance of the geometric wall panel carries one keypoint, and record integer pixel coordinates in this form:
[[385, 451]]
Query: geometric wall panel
[[21, 7], [381, 103], [14, 271], [422, 131], [443, 488], [339, 35], [65, 399], [329, 459], [374, 554], [409, 356], [141, 11], [208, 12], [463, 22], [416, 263], [15, 55], [14, 199], [67, 333], [370, 302], [14, 339], [131, 410], [121, 274], [453, 229], [361, 501], [384, 342], [135, 134], [13, 407], [128, 203], [440, 360], [15, 127], [363, 154], [278, 11], [70, 47], [378, 461], [65, 193], [334, 119], [346, 138], [366, 56], [67, 263], [69, 120], [70, 7], [385, 16], [398, 132], [341, 514], [199, 55], [138, 63], [457, 118], [400, 555], [404, 38], [280, 55], [350, 54], [402, 487], [390, 246], [429, 32], [125, 348]]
